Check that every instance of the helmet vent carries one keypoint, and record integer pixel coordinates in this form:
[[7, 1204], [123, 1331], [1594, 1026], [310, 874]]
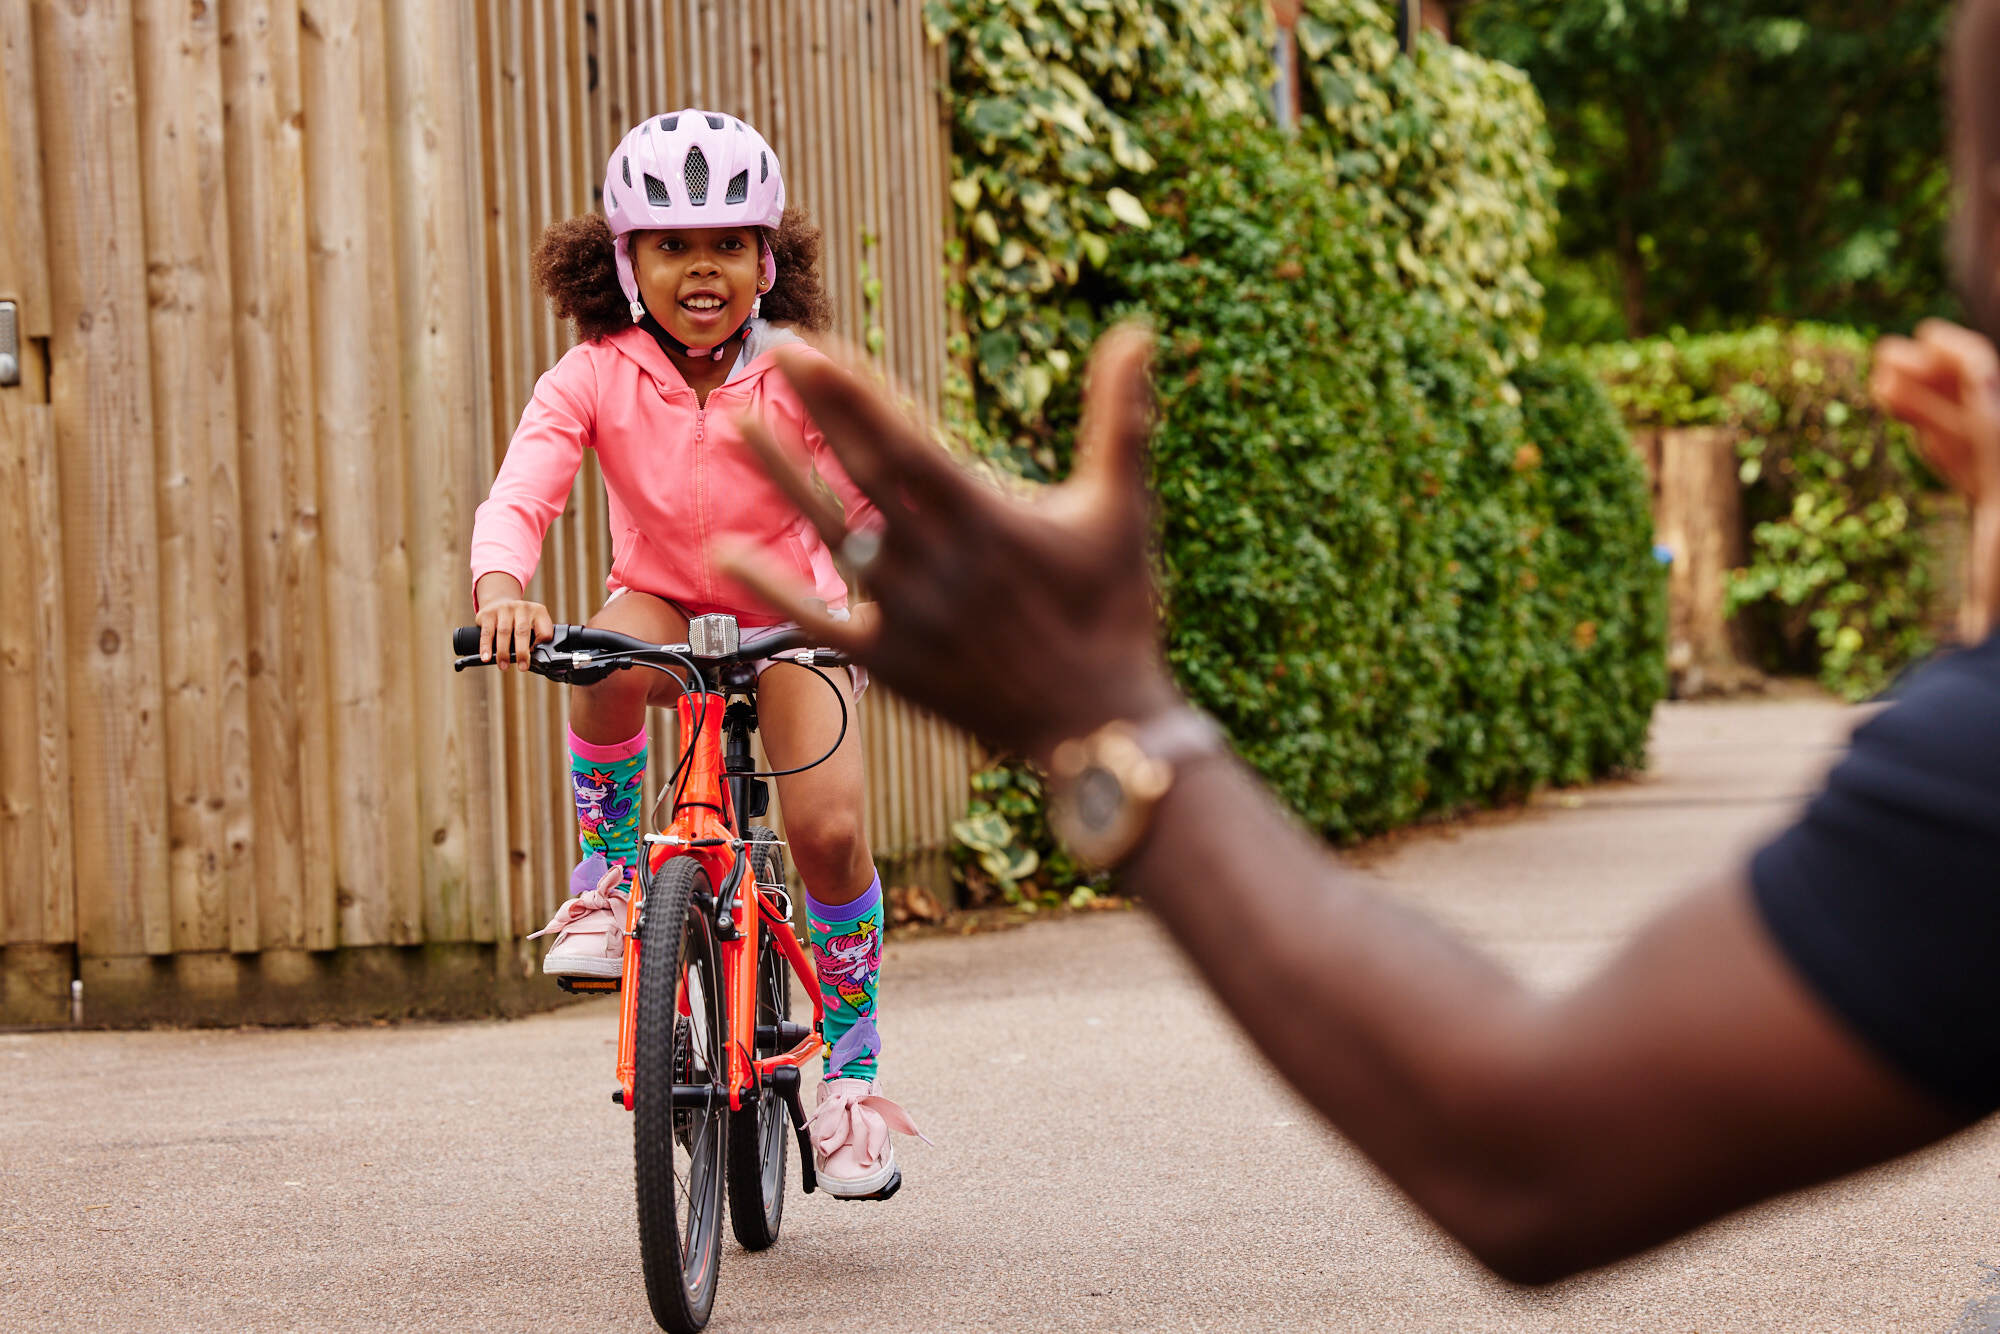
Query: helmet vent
[[763, 168], [670, 123], [697, 176], [625, 169], [739, 188], [656, 192], [714, 122]]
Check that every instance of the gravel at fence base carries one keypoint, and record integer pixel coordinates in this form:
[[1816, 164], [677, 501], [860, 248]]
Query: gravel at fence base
[[1109, 1154]]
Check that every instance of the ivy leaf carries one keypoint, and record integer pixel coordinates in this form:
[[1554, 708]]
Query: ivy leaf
[[1126, 208], [965, 192], [989, 832], [996, 117]]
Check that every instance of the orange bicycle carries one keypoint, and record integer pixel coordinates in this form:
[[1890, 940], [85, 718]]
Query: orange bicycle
[[708, 1056]]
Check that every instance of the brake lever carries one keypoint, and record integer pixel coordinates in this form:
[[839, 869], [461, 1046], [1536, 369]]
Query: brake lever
[[469, 660]]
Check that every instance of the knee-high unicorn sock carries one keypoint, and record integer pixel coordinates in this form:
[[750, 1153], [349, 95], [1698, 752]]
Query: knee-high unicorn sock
[[608, 782], [847, 952]]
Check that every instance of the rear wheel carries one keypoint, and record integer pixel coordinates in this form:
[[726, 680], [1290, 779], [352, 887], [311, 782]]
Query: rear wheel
[[679, 1143], [758, 1134]]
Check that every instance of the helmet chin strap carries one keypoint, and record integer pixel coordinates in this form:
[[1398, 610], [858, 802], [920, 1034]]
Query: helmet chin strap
[[644, 319]]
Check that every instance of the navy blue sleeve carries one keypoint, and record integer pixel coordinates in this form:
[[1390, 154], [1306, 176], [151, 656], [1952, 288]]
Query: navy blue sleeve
[[1886, 894]]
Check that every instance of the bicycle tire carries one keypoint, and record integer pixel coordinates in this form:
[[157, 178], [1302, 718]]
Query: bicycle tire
[[680, 1213], [760, 1133]]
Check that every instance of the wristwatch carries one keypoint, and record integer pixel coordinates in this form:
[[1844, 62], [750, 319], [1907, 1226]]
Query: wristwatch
[[1103, 787]]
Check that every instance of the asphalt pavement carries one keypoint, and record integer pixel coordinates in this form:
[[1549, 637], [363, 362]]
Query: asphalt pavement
[[1109, 1153]]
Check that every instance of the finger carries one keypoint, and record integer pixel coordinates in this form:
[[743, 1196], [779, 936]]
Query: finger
[[793, 600], [523, 638], [887, 457], [485, 619], [1117, 412], [1901, 360], [780, 467], [545, 625], [1914, 398], [1972, 352]]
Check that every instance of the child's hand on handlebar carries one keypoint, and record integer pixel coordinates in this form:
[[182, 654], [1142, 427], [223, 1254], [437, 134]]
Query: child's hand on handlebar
[[509, 625]]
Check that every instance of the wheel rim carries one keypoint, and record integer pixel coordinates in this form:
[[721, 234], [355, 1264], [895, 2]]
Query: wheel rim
[[697, 1154], [772, 1120]]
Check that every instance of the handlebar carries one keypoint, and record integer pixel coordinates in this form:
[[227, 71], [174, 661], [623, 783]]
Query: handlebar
[[607, 650]]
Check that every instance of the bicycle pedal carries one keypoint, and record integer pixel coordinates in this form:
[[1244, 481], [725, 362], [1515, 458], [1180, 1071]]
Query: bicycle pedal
[[589, 986], [895, 1184]]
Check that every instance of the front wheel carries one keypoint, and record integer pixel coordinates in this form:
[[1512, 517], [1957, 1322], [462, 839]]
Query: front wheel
[[679, 1137], [758, 1134]]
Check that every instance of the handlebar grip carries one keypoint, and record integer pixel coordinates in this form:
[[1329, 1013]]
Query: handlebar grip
[[584, 638], [465, 641]]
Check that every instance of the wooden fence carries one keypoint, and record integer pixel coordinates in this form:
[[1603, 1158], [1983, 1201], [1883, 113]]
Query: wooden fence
[[270, 267]]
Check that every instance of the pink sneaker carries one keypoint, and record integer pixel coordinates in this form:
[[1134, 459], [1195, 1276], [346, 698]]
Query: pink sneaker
[[590, 930], [850, 1128]]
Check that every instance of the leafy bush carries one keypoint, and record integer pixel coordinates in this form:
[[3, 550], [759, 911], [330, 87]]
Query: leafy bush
[[1407, 565], [1838, 579], [1003, 846], [1444, 153], [1045, 162], [1398, 591], [1448, 154]]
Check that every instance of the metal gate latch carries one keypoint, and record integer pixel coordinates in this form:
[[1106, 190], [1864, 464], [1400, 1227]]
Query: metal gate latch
[[10, 346]]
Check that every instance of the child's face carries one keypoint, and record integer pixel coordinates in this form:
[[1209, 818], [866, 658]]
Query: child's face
[[699, 281]]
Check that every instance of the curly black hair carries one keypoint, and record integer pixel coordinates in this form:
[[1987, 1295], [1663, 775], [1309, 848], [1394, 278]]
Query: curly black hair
[[576, 265]]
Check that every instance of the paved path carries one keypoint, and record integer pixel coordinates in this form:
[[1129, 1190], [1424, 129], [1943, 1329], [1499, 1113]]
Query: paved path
[[1110, 1155]]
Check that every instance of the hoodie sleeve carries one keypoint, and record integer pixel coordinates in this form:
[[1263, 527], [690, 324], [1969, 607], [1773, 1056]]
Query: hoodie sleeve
[[534, 480], [859, 509]]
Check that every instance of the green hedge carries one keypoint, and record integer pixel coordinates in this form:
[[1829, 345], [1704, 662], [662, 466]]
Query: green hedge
[[1838, 582], [1443, 152], [1406, 563], [1399, 591]]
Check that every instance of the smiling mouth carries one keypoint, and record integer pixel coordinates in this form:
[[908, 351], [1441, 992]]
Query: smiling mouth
[[703, 303]]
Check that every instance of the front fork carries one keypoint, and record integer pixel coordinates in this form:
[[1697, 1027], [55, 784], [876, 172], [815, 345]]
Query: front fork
[[746, 933]]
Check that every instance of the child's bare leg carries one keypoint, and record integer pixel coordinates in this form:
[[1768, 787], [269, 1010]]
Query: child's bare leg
[[610, 712]]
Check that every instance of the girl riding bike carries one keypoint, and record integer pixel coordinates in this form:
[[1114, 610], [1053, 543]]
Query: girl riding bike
[[679, 292]]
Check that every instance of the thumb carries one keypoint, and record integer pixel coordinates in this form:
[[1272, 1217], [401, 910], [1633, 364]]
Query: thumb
[[1117, 413]]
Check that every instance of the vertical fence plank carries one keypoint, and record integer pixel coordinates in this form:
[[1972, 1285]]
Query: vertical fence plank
[[24, 255], [478, 698], [102, 404], [194, 423], [355, 371], [37, 893], [435, 262], [286, 640]]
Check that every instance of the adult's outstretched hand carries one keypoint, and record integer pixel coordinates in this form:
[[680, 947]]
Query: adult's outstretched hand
[[1945, 382], [1024, 621]]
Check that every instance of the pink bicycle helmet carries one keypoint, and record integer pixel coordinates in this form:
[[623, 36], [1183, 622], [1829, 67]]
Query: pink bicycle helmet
[[690, 168]]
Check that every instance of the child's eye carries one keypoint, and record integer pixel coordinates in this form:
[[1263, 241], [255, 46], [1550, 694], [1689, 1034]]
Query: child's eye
[[671, 244]]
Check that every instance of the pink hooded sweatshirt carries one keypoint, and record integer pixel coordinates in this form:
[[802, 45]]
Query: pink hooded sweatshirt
[[679, 476]]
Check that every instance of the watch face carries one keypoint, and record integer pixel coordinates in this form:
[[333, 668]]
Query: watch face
[[1098, 796]]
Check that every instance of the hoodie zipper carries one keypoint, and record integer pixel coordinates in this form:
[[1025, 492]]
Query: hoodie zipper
[[701, 497]]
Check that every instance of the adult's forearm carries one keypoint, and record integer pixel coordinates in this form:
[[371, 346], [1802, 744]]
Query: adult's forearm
[[1979, 609], [1396, 1031]]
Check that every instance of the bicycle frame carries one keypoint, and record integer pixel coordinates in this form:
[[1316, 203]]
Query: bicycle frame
[[707, 824]]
